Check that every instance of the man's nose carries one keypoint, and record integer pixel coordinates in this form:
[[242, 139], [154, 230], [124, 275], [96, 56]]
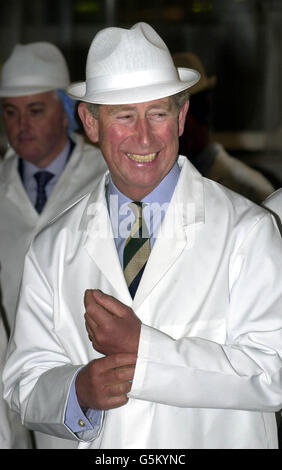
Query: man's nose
[[23, 120], [144, 132]]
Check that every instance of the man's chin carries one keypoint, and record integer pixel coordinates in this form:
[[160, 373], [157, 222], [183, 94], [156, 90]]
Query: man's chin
[[29, 156]]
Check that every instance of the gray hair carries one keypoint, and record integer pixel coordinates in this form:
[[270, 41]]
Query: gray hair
[[93, 108], [179, 100]]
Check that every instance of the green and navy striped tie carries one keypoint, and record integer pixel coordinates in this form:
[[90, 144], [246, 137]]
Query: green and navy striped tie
[[136, 250]]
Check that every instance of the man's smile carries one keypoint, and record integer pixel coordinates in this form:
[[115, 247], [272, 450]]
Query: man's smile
[[142, 158]]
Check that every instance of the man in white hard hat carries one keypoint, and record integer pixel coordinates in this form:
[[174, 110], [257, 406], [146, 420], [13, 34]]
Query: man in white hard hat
[[47, 165], [208, 156], [180, 344]]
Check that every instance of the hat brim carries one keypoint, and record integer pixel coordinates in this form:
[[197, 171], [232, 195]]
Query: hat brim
[[187, 78], [9, 92]]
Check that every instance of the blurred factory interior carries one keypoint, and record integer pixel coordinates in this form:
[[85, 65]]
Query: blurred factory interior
[[239, 41]]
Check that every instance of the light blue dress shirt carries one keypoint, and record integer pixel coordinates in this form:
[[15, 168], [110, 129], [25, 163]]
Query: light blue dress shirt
[[157, 202]]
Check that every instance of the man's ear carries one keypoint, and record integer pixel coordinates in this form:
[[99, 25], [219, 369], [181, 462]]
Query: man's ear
[[90, 124], [182, 117]]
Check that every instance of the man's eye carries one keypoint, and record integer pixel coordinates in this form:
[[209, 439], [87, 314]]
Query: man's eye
[[36, 111], [124, 116], [9, 112], [161, 115]]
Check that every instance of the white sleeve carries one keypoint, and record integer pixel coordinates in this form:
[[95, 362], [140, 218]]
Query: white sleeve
[[38, 372], [12, 434], [246, 371]]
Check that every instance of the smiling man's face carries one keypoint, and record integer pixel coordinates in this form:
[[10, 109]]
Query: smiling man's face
[[139, 141]]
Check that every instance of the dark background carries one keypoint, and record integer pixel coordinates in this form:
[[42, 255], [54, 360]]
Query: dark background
[[240, 41]]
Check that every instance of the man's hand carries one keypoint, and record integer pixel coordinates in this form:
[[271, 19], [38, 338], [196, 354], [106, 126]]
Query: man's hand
[[104, 383], [112, 326]]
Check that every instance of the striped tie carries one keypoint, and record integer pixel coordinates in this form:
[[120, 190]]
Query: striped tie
[[136, 250]]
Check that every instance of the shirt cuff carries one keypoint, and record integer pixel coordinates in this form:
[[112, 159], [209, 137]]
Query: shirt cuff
[[75, 419]]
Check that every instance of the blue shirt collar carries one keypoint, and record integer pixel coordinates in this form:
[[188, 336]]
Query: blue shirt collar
[[161, 194]]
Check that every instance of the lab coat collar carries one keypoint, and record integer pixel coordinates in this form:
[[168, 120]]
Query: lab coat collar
[[11, 185]]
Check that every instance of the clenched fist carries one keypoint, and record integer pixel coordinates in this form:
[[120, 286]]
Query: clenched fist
[[112, 326], [104, 383]]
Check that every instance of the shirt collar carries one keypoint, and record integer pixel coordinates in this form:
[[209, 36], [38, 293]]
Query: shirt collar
[[161, 194]]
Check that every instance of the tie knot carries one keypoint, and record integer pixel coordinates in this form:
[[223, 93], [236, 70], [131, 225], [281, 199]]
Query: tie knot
[[139, 228], [136, 207], [42, 178]]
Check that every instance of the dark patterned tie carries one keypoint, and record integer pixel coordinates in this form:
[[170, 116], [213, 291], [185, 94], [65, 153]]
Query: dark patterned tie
[[42, 178], [136, 250]]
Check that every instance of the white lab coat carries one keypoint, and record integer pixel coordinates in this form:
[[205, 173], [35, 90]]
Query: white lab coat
[[274, 204], [12, 434], [20, 221], [208, 373]]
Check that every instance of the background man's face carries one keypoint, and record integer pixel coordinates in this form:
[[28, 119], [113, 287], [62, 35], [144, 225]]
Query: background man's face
[[36, 126]]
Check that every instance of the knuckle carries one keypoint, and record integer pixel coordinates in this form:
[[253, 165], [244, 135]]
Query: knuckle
[[87, 294]]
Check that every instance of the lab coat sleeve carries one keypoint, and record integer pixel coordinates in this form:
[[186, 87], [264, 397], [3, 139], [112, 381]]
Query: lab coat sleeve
[[12, 434], [246, 371], [38, 373]]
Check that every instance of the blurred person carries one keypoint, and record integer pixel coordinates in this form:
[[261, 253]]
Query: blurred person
[[153, 324], [210, 157], [47, 165], [274, 204]]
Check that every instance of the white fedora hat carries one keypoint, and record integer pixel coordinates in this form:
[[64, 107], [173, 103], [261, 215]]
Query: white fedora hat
[[34, 68], [130, 66]]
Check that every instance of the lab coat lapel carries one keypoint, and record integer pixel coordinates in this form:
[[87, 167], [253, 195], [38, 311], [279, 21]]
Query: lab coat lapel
[[14, 189], [100, 243], [163, 255]]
